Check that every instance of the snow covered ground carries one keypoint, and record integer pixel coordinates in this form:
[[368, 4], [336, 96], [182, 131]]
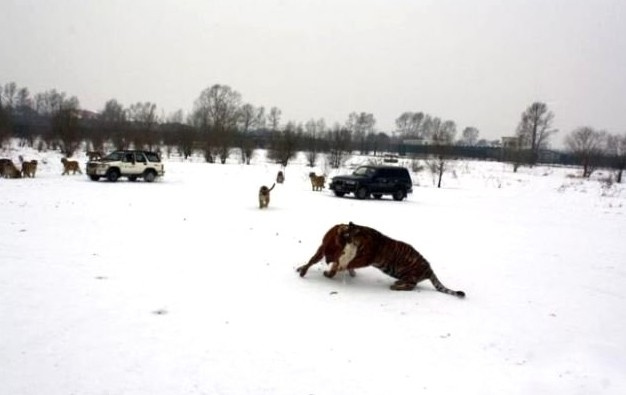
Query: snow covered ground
[[184, 286]]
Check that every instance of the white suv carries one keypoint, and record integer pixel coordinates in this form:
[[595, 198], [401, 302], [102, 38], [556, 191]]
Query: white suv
[[127, 163]]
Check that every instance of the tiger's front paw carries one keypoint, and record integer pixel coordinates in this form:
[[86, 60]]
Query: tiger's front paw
[[302, 270], [329, 273]]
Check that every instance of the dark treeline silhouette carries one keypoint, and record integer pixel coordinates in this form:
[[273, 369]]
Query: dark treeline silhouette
[[221, 125]]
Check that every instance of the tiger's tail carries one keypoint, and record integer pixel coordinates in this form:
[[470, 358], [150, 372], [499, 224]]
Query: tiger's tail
[[273, 185], [442, 288]]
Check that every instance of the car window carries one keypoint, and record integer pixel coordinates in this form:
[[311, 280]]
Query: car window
[[114, 156], [363, 171], [140, 157], [129, 157], [153, 157]]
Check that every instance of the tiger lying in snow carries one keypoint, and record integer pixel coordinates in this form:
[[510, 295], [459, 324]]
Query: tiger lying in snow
[[363, 246]]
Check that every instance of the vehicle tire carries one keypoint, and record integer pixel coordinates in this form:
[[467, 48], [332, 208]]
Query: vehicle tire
[[377, 196], [94, 178], [132, 178], [113, 175], [339, 194], [149, 176], [399, 194], [361, 193]]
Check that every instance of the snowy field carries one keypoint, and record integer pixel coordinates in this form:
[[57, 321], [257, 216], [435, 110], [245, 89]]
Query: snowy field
[[184, 286]]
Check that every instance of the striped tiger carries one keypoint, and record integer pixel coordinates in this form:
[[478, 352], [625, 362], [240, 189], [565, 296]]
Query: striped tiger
[[366, 246]]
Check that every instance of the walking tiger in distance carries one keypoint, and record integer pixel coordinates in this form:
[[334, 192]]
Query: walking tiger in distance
[[332, 247], [280, 177], [317, 182], [29, 167], [70, 165], [368, 247], [264, 196]]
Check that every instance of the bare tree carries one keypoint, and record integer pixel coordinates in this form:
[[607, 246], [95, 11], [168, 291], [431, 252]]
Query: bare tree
[[409, 125], [9, 94], [5, 123], [273, 119], [587, 144], [469, 136], [378, 142], [616, 148], [65, 126], [285, 144], [47, 103], [442, 136], [310, 137], [314, 130], [361, 124], [63, 116], [340, 140], [215, 113], [535, 128], [250, 118], [179, 135], [144, 117], [6, 110], [112, 122]]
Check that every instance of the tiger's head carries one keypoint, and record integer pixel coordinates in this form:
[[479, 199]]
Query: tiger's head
[[348, 232]]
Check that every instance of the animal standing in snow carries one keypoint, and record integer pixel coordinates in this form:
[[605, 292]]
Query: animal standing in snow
[[264, 196], [29, 168], [366, 246], [280, 177], [8, 169], [70, 165], [317, 182], [332, 247]]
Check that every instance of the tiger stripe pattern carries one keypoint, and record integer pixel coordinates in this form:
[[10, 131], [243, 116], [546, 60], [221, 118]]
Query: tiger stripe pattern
[[394, 258]]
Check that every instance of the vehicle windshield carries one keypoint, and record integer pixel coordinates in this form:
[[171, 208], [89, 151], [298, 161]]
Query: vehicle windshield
[[363, 171]]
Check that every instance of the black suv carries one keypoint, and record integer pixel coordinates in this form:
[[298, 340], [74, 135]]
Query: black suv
[[374, 180]]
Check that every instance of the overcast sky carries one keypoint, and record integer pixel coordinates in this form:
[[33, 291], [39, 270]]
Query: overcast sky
[[479, 63]]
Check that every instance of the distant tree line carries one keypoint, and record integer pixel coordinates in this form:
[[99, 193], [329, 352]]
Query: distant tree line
[[220, 125]]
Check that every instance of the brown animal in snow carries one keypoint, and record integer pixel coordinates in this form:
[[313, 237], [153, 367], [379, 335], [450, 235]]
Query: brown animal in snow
[[264, 196], [280, 177], [368, 247], [70, 165], [8, 169], [29, 168], [317, 182]]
